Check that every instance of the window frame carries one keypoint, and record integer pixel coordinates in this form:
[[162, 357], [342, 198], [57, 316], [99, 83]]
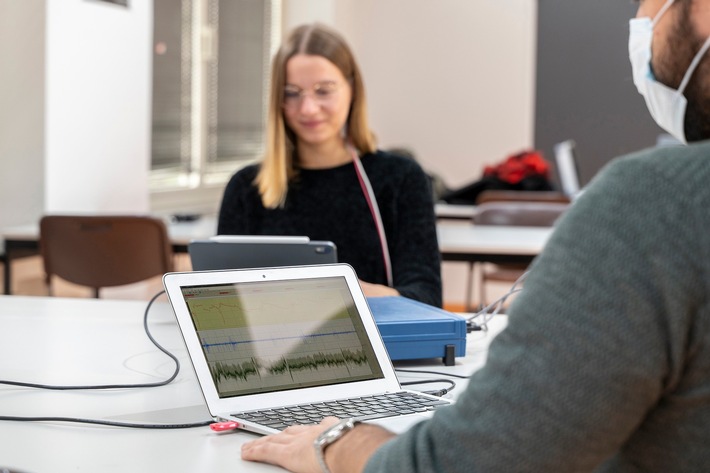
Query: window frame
[[194, 185]]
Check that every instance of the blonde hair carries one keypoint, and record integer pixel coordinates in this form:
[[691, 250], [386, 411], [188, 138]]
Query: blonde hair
[[278, 167]]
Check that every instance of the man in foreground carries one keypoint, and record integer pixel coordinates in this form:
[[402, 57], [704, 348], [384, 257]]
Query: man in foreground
[[605, 364]]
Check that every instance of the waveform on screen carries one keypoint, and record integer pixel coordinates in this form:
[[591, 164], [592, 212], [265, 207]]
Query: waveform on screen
[[318, 360], [239, 371], [222, 371]]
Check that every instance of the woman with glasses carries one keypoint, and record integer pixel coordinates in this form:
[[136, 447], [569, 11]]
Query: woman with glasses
[[323, 177]]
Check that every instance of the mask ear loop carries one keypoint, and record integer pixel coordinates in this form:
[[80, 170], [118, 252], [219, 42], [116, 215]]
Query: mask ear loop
[[660, 13], [696, 60], [375, 211]]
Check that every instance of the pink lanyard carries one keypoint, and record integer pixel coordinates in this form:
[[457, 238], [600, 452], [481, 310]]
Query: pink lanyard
[[375, 211]]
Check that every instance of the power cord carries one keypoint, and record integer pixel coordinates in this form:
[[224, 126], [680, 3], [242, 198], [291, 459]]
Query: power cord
[[441, 373], [105, 422], [492, 309], [114, 386], [110, 386], [439, 392]]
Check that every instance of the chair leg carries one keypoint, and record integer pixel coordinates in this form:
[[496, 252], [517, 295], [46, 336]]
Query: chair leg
[[96, 293], [469, 286]]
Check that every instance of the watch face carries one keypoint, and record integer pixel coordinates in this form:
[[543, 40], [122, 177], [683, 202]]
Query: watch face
[[335, 432]]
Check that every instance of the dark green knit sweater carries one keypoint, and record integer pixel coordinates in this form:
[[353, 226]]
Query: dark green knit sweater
[[605, 364]]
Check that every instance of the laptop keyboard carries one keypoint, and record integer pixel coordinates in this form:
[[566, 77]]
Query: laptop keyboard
[[361, 408]]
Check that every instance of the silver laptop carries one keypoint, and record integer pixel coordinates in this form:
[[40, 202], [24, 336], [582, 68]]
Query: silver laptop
[[281, 346], [255, 251]]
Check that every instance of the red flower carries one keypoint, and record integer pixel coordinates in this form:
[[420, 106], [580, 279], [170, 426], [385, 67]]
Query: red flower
[[517, 167]]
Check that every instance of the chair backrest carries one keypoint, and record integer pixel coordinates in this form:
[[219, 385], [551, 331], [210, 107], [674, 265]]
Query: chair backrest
[[495, 195], [567, 167], [512, 213], [104, 251]]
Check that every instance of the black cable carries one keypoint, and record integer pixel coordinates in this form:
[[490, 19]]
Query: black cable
[[451, 384], [105, 422], [493, 308], [472, 326], [441, 373], [111, 386], [114, 386], [439, 392]]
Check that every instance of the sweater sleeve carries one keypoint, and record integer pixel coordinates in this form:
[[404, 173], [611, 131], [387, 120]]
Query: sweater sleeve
[[416, 260], [576, 378]]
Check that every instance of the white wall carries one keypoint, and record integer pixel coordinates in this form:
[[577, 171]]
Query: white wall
[[97, 119], [21, 111]]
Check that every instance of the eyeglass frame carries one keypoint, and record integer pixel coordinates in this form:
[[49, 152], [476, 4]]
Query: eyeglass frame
[[297, 100]]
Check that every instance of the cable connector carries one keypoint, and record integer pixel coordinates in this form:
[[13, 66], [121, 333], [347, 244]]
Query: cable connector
[[472, 326]]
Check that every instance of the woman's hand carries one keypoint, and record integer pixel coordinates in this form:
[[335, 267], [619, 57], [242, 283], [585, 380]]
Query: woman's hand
[[377, 290]]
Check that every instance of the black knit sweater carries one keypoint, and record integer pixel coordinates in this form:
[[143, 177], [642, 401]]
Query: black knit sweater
[[328, 204]]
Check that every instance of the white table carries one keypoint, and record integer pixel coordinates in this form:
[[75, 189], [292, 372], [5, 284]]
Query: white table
[[497, 244], [449, 211], [23, 240], [84, 341], [492, 243], [458, 241]]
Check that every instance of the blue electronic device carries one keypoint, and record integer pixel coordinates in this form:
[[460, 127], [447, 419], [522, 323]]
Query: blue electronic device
[[414, 330]]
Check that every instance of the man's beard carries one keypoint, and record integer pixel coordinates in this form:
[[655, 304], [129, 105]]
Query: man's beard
[[682, 44]]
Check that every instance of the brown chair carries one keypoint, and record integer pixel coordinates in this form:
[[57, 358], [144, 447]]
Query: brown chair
[[104, 251], [513, 213]]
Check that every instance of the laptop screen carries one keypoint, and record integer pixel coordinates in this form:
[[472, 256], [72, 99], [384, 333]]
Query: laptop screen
[[271, 336]]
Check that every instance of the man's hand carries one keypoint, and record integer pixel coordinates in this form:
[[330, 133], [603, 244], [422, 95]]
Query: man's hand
[[293, 448]]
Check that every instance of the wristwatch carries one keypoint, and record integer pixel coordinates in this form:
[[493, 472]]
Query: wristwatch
[[329, 436]]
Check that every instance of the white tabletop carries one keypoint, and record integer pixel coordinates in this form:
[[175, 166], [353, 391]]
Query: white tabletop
[[179, 232], [86, 341], [460, 237], [492, 239], [184, 232], [444, 210]]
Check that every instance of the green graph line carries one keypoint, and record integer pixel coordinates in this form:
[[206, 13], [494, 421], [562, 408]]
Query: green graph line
[[224, 371], [241, 371], [314, 362]]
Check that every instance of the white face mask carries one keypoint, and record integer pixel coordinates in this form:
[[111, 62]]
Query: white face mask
[[667, 105]]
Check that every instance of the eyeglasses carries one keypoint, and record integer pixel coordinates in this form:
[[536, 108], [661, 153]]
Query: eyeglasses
[[323, 93]]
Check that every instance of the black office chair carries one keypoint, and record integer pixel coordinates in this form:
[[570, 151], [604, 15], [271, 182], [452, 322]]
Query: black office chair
[[104, 251]]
